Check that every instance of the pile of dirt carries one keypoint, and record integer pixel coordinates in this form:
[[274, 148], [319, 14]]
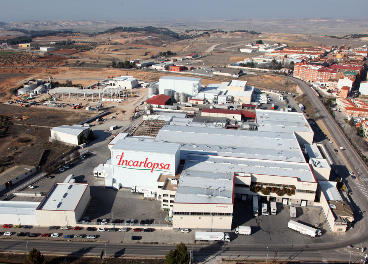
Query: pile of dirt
[[309, 108]]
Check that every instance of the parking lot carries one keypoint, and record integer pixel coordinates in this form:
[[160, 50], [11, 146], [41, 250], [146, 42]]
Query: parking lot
[[281, 104]]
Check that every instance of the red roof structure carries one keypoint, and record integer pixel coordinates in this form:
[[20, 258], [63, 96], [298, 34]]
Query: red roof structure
[[160, 99]]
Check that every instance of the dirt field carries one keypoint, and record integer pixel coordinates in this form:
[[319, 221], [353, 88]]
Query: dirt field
[[27, 137]]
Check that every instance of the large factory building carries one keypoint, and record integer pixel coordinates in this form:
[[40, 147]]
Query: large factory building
[[196, 172]]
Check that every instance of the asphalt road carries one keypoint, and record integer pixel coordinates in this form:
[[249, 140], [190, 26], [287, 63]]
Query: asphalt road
[[279, 252]]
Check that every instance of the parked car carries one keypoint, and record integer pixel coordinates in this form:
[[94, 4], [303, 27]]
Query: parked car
[[53, 227], [61, 169], [45, 235], [127, 221], [76, 228], [101, 229], [27, 227], [92, 236], [64, 228], [117, 221], [91, 228], [136, 237], [31, 186], [123, 229], [55, 235], [8, 233], [79, 236], [137, 230], [148, 230], [66, 167], [7, 225], [21, 234], [68, 236], [32, 235], [142, 222], [17, 226], [104, 222], [112, 230], [185, 230]]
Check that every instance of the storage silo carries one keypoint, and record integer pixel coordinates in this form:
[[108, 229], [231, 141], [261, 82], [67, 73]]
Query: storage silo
[[183, 98], [168, 92], [176, 96], [151, 91]]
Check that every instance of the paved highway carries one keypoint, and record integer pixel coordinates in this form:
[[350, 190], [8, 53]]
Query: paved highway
[[201, 252]]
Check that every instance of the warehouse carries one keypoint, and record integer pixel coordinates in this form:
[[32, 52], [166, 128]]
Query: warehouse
[[64, 204], [18, 213], [123, 82], [14, 175], [189, 86], [70, 135]]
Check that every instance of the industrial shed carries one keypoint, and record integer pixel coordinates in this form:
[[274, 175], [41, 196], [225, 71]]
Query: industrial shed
[[14, 175], [160, 99], [71, 135], [64, 204], [18, 213]]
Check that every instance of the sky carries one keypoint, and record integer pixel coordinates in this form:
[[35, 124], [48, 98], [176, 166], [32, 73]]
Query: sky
[[120, 10]]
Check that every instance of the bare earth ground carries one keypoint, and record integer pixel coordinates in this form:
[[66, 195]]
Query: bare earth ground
[[28, 136]]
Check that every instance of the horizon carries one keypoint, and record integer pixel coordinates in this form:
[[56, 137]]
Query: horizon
[[22, 10]]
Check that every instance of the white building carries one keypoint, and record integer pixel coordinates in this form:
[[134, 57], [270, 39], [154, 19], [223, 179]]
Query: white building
[[123, 82], [64, 204], [190, 86], [18, 213], [363, 88], [72, 135], [344, 82], [47, 49], [248, 50]]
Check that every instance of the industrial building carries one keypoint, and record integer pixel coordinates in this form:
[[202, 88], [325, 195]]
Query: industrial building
[[196, 171], [71, 135], [123, 82], [18, 213], [169, 85], [14, 175], [47, 49], [64, 205]]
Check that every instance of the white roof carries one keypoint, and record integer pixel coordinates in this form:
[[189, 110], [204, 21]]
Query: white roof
[[216, 164], [228, 137], [313, 151], [205, 187], [146, 146], [286, 122], [63, 197], [18, 208], [124, 78], [118, 137], [238, 83], [330, 191], [180, 78], [74, 90], [319, 163], [72, 130]]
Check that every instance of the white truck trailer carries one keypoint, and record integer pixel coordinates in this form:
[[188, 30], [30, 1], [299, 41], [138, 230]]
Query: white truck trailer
[[264, 209], [243, 230], [273, 208], [212, 236], [292, 212], [255, 205], [148, 193], [304, 229]]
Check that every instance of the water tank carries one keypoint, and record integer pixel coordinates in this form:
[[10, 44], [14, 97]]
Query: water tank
[[176, 96], [183, 98], [168, 92], [151, 91]]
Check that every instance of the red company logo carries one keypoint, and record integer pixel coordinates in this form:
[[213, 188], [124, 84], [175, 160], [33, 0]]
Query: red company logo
[[142, 165]]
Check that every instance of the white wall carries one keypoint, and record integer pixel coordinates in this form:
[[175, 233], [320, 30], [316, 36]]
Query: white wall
[[18, 219], [81, 207], [180, 86], [63, 137], [344, 82], [363, 89]]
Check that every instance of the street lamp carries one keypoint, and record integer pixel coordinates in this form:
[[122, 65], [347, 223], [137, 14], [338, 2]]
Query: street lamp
[[267, 256], [26, 246]]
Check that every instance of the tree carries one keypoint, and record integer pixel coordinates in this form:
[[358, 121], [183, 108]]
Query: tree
[[113, 64], [34, 257], [351, 122], [178, 256], [259, 41]]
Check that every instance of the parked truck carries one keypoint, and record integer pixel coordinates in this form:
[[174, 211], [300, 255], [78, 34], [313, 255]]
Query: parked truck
[[212, 236], [255, 205], [273, 107], [273, 208], [301, 107], [304, 229], [243, 230], [292, 212], [264, 209], [136, 189]]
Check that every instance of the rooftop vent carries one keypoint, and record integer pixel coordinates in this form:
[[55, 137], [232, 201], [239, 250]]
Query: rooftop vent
[[59, 204], [70, 186], [65, 194]]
